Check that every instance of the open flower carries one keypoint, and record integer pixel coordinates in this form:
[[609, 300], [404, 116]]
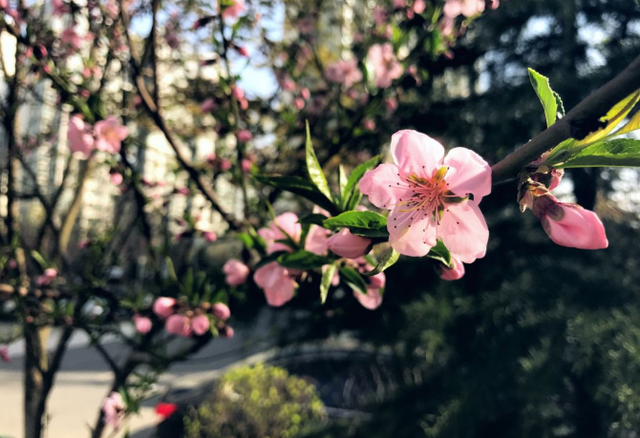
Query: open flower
[[386, 67], [277, 282], [114, 410], [80, 137], [468, 8], [431, 197], [344, 72], [236, 272], [109, 135], [285, 223]]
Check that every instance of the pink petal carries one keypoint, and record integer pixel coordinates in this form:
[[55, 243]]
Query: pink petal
[[452, 8], [371, 300], [411, 233], [416, 153], [578, 228], [384, 186], [464, 231], [467, 173]]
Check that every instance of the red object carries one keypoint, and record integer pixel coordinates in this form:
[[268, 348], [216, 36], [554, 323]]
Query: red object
[[165, 410]]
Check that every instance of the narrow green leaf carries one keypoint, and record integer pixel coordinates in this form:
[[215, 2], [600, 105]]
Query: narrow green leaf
[[342, 180], [351, 194], [325, 283], [360, 223], [314, 169], [315, 218], [171, 269], [613, 118], [388, 259], [301, 187], [548, 97], [353, 279], [440, 253], [623, 152], [303, 260], [246, 240], [39, 259]]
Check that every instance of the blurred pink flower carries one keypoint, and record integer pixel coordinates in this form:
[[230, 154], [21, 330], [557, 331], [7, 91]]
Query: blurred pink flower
[[429, 196], [246, 165], [277, 282], [209, 236], [285, 223], [164, 307], [344, 72], [47, 277], [379, 14], [234, 10], [236, 272], [207, 105], [4, 354], [116, 178], [225, 164], [419, 6], [70, 38], [468, 8], [226, 332], [142, 323], [200, 324], [386, 67], [455, 272], [348, 245], [80, 137], [113, 408], [244, 136], [109, 135], [221, 311], [299, 103], [179, 325], [369, 124]]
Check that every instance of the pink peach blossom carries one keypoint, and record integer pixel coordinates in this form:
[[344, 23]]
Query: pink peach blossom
[[142, 323], [200, 324], [347, 245], [70, 38], [371, 300], [236, 272], [246, 165], [114, 410], [164, 307], [386, 67], [4, 354], [344, 72], [431, 197], [369, 124], [209, 236], [234, 10], [570, 224], [419, 6], [179, 325], [317, 240], [225, 164], [455, 272], [47, 277], [277, 282], [221, 311], [285, 223], [116, 178], [468, 8], [80, 137], [207, 105], [244, 136], [109, 135]]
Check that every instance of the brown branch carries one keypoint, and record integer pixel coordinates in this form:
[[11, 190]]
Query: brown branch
[[154, 111], [589, 110]]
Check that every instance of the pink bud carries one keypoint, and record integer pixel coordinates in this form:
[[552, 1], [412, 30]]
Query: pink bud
[[455, 272], [182, 191], [207, 105], [227, 332], [305, 93], [298, 102], [179, 325], [142, 323], [244, 136], [209, 236], [242, 51], [348, 245], [200, 324], [246, 165], [164, 307], [225, 164], [556, 177], [570, 224], [4, 354], [419, 6], [236, 272], [116, 178], [221, 311], [369, 124]]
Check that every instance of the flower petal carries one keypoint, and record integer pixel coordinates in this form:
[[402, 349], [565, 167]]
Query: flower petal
[[411, 233], [384, 186], [416, 153], [468, 173], [464, 231]]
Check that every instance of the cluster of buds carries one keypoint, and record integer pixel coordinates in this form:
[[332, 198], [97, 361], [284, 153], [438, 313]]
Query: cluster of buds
[[186, 321]]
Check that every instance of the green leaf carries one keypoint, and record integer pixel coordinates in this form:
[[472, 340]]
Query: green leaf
[[360, 223], [39, 259], [351, 194], [270, 258], [623, 152], [315, 218], [325, 283], [171, 269], [314, 169], [301, 187], [388, 259], [550, 99], [353, 279], [342, 179], [613, 118], [440, 253], [302, 259]]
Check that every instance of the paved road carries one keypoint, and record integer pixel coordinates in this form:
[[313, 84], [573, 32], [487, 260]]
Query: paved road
[[84, 380]]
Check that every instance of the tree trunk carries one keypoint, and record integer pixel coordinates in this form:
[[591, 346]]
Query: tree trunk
[[35, 362]]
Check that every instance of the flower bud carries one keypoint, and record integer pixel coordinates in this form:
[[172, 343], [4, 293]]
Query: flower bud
[[455, 272], [236, 272], [142, 323], [164, 307], [221, 311], [179, 325], [200, 324], [226, 332], [244, 136], [348, 245]]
